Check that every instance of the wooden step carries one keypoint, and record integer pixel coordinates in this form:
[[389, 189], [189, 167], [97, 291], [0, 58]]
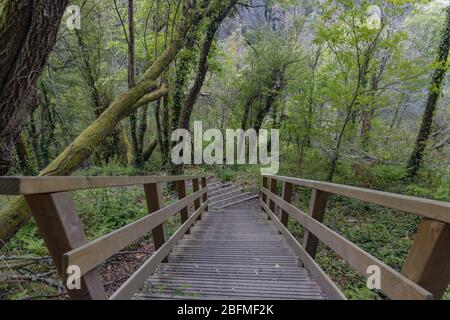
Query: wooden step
[[232, 254]]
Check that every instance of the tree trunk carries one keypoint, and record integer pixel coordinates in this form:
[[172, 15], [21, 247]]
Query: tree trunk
[[247, 108], [368, 113], [137, 152], [434, 93], [213, 26], [15, 213], [28, 32], [23, 155], [278, 85]]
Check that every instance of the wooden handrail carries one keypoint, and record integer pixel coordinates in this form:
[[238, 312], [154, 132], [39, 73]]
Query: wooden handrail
[[138, 278], [426, 271], [40, 185], [394, 284], [432, 209], [51, 203], [327, 284], [93, 253]]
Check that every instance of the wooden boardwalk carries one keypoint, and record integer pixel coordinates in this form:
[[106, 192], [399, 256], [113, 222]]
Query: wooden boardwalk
[[235, 254]]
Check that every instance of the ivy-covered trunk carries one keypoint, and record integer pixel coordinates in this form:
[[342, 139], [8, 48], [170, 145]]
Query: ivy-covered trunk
[[434, 91]]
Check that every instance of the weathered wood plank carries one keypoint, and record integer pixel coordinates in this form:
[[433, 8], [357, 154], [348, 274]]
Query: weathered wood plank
[[39, 185], [233, 269], [137, 280], [393, 284], [91, 254], [428, 261], [328, 285], [287, 196], [205, 196], [153, 196], [432, 209], [273, 188], [62, 231], [317, 206], [181, 189]]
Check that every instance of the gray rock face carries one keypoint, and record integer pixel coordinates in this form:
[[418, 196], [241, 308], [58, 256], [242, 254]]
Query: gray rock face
[[258, 14]]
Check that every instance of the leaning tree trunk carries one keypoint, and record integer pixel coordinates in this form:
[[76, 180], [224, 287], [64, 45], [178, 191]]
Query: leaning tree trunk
[[434, 92], [28, 30], [213, 26], [15, 213]]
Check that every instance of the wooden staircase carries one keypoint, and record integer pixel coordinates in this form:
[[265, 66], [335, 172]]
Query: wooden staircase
[[226, 249], [234, 254], [225, 195]]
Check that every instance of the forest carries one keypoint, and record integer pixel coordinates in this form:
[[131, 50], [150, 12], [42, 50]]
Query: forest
[[357, 89]]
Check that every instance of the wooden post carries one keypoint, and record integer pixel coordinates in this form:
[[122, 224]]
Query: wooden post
[[273, 189], [287, 196], [317, 206], [205, 195], [195, 188], [428, 261], [264, 184], [59, 225], [153, 195], [181, 188]]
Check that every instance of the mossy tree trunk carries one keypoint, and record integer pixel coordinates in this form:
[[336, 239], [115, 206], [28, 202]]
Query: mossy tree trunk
[[15, 213], [434, 93]]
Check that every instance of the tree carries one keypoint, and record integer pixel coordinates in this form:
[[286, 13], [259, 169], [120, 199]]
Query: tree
[[434, 92], [15, 213], [28, 31]]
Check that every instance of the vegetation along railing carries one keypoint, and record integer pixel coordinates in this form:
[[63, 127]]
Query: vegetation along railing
[[426, 271], [53, 208]]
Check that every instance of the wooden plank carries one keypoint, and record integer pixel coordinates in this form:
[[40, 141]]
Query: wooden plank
[[153, 196], [273, 189], [317, 206], [264, 184], [138, 278], [62, 231], [181, 189], [327, 284], [287, 196], [428, 261], [91, 254], [205, 195], [393, 284], [196, 187], [432, 209], [39, 185]]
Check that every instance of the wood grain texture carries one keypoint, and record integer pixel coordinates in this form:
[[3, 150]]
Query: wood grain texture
[[317, 206], [62, 231], [326, 283], [137, 280], [432, 209], [287, 196], [91, 254], [428, 261], [235, 254], [153, 196], [182, 191], [393, 284], [37, 185]]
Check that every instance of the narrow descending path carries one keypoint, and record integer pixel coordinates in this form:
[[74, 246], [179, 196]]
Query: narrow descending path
[[232, 254]]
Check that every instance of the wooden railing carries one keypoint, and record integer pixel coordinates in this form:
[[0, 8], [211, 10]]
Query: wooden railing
[[53, 208], [426, 271]]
